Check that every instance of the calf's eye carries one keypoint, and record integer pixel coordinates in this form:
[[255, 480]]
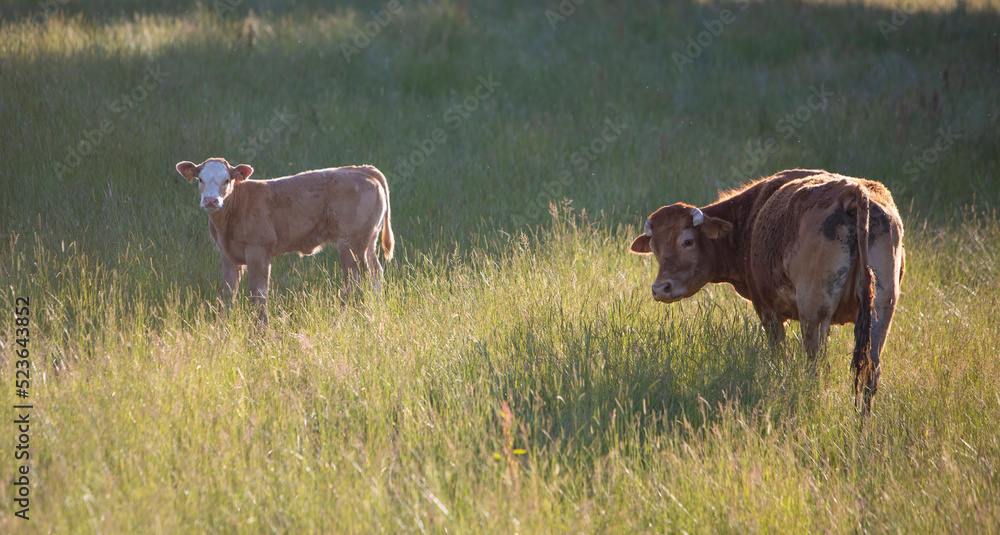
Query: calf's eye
[[688, 243]]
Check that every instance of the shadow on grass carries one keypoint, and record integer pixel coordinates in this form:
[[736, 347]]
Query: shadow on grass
[[598, 383]]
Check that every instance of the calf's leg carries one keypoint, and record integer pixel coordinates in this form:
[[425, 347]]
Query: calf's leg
[[351, 263], [374, 267], [231, 273], [258, 277]]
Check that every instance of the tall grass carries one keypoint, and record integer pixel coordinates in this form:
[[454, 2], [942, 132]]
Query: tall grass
[[513, 374]]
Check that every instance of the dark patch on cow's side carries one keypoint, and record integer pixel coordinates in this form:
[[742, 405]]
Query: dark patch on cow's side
[[832, 224], [878, 223], [840, 219], [837, 281]]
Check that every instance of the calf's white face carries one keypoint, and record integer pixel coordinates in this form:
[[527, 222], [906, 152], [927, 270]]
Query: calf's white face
[[214, 183], [216, 179]]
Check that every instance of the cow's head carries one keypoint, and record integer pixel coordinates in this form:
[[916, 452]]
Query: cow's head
[[216, 179], [681, 238]]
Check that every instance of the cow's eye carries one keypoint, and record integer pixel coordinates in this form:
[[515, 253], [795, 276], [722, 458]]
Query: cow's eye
[[688, 243]]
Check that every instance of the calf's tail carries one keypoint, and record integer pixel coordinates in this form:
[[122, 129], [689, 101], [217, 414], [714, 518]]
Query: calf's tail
[[864, 375], [388, 239]]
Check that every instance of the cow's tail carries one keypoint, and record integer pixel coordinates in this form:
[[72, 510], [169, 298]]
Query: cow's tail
[[863, 373], [388, 238]]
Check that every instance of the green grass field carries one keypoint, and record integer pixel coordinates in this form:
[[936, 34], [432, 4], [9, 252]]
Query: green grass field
[[515, 375]]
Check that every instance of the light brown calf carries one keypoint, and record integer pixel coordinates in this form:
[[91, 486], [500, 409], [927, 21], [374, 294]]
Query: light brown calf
[[804, 245], [252, 221]]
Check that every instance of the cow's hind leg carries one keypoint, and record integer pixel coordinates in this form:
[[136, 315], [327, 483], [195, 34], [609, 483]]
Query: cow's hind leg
[[774, 327], [817, 300], [820, 268], [818, 295], [814, 333]]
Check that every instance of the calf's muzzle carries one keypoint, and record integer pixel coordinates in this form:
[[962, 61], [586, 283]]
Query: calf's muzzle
[[211, 203]]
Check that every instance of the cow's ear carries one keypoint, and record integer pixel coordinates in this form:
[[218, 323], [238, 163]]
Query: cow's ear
[[640, 245], [241, 172], [188, 170], [716, 228]]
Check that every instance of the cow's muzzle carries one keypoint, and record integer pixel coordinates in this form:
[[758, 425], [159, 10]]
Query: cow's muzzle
[[667, 291]]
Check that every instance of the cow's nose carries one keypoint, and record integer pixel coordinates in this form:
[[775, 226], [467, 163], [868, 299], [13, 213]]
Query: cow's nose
[[662, 289], [210, 202]]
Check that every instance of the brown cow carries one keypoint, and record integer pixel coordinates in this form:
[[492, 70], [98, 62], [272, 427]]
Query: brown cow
[[252, 221], [805, 245]]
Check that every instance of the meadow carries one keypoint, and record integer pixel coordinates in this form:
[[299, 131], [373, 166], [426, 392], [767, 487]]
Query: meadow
[[513, 375]]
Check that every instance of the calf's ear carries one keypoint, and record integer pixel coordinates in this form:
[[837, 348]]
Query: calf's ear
[[640, 245], [188, 170], [716, 228], [241, 172]]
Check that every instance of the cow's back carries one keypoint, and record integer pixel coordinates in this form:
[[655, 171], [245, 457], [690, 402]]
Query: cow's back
[[751, 198], [807, 214]]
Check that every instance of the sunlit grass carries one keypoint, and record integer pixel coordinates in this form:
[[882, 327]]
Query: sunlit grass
[[389, 414]]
